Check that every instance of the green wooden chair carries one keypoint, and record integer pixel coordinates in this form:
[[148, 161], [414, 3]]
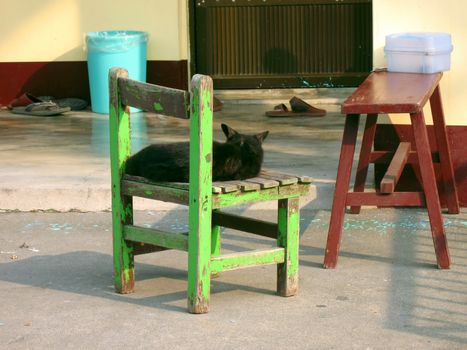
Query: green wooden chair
[[204, 198]]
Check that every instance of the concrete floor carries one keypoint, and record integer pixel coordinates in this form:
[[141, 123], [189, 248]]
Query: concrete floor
[[386, 292], [56, 267]]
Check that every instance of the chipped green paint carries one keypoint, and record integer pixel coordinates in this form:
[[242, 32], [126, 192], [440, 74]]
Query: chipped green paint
[[288, 237], [200, 196], [267, 194], [152, 236], [122, 212], [215, 240], [158, 107], [158, 192], [246, 259]]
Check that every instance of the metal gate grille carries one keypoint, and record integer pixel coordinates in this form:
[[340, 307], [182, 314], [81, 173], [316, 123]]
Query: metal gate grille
[[245, 44]]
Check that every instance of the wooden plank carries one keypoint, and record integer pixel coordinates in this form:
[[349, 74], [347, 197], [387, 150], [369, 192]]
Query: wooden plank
[[283, 179], [389, 92], [396, 199], [225, 187], [364, 158], [340, 193], [184, 186], [145, 248], [241, 185], [431, 191], [215, 237], [200, 195], [385, 157], [154, 98], [264, 183], [246, 259], [304, 179], [288, 222], [390, 179], [156, 237], [122, 211], [157, 192], [276, 193], [246, 186], [241, 223], [447, 169], [217, 187], [179, 185]]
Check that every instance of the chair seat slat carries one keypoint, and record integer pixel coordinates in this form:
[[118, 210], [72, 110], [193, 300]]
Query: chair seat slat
[[225, 186], [283, 179], [266, 179], [264, 183]]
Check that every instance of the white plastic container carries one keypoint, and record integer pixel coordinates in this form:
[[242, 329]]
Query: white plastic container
[[418, 52]]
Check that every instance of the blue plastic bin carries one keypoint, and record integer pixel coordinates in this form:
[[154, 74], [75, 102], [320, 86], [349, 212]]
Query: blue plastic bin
[[120, 48]]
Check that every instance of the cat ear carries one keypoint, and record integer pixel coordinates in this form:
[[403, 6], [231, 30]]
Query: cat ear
[[262, 136], [228, 131]]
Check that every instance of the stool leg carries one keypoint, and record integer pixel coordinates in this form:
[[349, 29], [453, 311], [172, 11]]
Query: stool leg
[[288, 221], [364, 158], [430, 189], [344, 171], [447, 170]]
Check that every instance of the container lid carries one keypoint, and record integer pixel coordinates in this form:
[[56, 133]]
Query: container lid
[[419, 42]]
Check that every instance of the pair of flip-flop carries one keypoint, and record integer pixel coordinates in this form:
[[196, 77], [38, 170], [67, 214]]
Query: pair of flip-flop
[[29, 104], [42, 109], [299, 108]]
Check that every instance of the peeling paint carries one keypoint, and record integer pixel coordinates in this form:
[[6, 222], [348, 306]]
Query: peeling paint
[[158, 107]]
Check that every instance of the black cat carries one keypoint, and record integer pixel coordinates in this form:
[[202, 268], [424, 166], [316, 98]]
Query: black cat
[[240, 157]]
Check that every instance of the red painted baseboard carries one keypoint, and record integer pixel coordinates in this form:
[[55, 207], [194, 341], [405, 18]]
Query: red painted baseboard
[[387, 138], [70, 79]]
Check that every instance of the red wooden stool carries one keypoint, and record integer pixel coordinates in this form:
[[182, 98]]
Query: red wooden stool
[[386, 92]]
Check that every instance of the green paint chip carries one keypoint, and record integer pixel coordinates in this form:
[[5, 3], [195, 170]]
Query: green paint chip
[[158, 107]]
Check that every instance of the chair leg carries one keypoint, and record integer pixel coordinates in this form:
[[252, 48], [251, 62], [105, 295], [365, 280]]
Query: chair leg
[[215, 240], [430, 189], [364, 158], [215, 244], [340, 193], [288, 237], [124, 274], [199, 261]]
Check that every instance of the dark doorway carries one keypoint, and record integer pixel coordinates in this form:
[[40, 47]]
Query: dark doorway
[[282, 43]]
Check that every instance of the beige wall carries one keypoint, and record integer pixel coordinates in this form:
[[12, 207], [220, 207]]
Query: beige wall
[[53, 30], [430, 16]]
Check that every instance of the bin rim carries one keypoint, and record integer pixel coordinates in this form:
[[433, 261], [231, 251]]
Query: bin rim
[[110, 34], [114, 40]]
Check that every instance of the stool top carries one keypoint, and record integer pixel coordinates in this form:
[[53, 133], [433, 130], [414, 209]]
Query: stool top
[[389, 92]]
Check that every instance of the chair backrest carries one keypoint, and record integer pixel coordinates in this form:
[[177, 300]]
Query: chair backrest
[[196, 105], [148, 97]]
